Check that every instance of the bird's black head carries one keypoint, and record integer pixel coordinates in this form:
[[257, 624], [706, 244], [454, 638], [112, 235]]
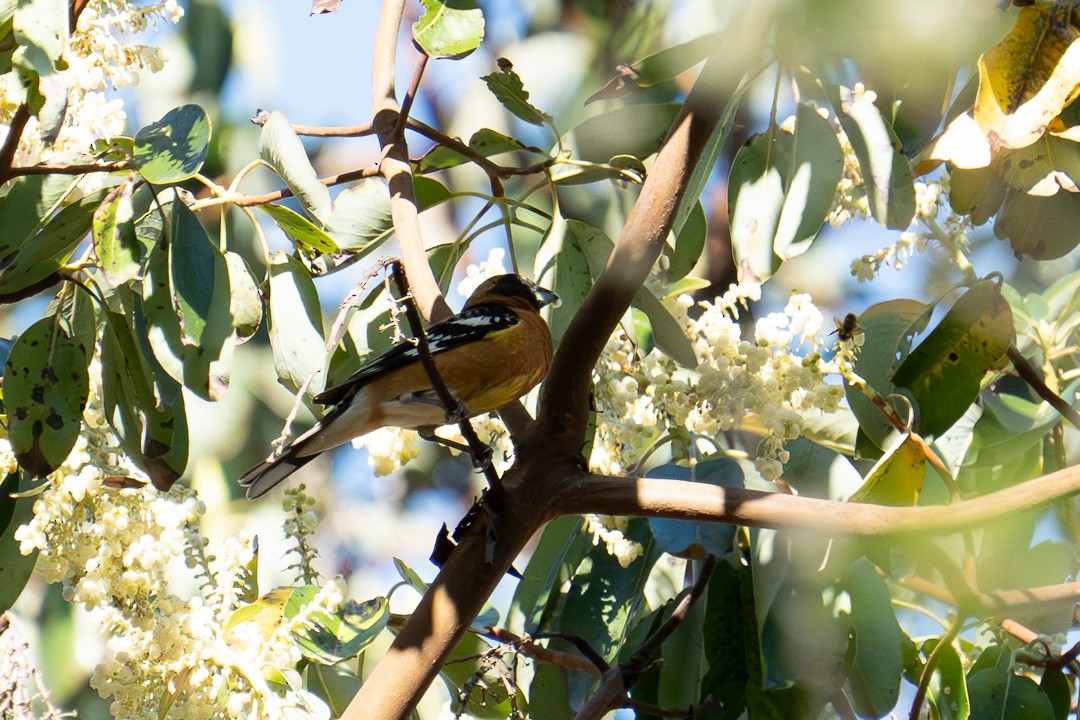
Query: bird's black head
[[515, 286]]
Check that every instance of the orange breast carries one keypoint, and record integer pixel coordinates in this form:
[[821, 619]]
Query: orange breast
[[485, 375]]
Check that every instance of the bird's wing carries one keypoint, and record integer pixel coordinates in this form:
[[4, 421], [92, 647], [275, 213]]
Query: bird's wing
[[466, 327]]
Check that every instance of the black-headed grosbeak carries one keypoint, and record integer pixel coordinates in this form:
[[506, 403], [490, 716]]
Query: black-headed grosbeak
[[491, 353]]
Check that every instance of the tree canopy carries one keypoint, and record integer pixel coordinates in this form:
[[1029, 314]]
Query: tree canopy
[[720, 503]]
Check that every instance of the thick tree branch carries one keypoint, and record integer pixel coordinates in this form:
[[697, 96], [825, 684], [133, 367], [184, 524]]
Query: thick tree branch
[[683, 500], [397, 170], [547, 457], [564, 403]]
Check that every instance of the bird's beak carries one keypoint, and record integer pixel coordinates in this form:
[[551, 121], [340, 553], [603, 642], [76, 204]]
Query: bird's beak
[[546, 297]]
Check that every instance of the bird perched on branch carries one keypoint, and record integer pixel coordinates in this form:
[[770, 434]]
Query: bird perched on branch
[[488, 355]]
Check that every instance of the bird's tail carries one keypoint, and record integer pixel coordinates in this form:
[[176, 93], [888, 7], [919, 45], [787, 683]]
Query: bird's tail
[[260, 479]]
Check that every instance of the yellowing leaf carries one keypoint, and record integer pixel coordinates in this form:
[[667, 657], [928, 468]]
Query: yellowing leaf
[[897, 478], [1028, 78], [963, 144]]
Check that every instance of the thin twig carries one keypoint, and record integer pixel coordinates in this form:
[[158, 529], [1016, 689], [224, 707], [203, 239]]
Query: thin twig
[[397, 169], [319, 130], [931, 663], [251, 200], [527, 646], [654, 641], [67, 169], [1032, 377], [410, 96], [11, 142]]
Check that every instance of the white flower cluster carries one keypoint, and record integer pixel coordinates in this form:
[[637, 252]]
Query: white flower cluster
[[389, 448], [494, 264], [765, 385], [99, 54], [115, 546], [951, 232], [850, 201], [611, 531]]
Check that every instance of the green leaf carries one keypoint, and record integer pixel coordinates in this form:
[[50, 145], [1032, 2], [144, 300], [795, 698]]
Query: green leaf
[[682, 655], [732, 651], [485, 141], [874, 682], [142, 403], [449, 28], [189, 364], [1057, 688], [1044, 167], [306, 235], [572, 281], [360, 220], [282, 150], [636, 130], [429, 193], [817, 163], [46, 385], [410, 576], [689, 244], [602, 596], [897, 478], [41, 31], [977, 193], [15, 568], [755, 201], [488, 698], [329, 639], [886, 172], [687, 538], [643, 332], [667, 332], [335, 684], [30, 200], [200, 296], [46, 252], [118, 249], [947, 693], [997, 693], [541, 574], [296, 326], [945, 371], [174, 148], [670, 62], [1043, 228], [245, 301], [508, 89]]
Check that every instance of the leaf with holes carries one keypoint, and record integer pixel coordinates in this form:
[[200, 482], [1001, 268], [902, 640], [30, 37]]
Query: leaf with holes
[[944, 373], [46, 384]]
